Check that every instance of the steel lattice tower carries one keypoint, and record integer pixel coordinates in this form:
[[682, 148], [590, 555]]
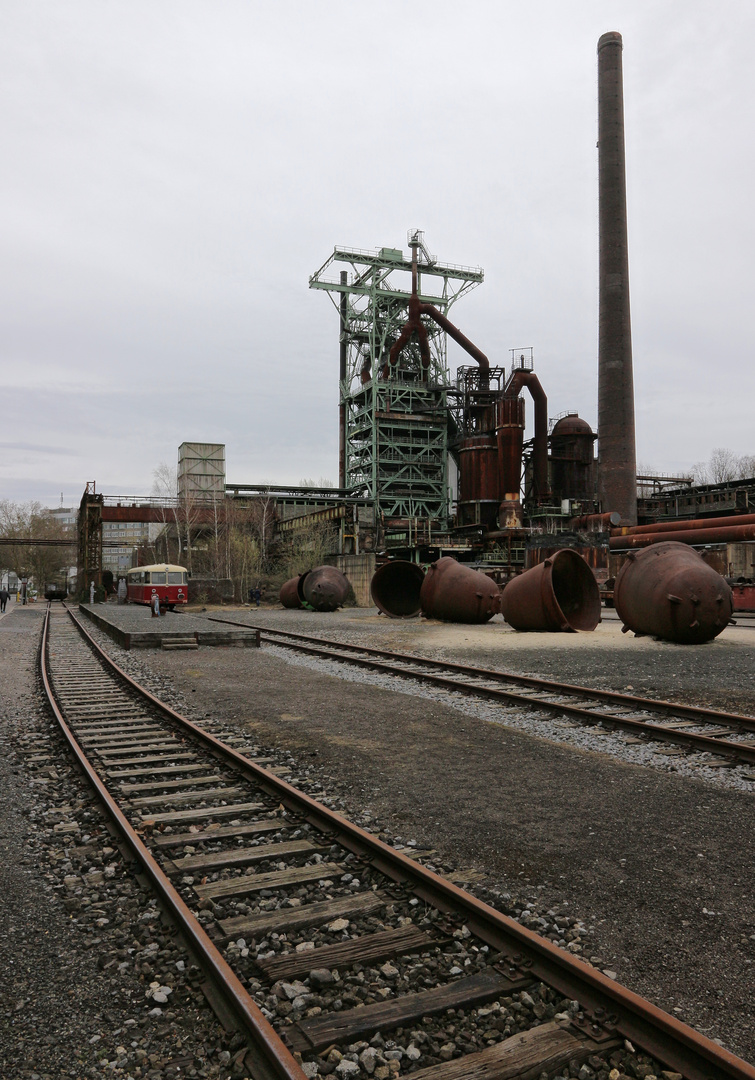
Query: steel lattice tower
[[394, 420]]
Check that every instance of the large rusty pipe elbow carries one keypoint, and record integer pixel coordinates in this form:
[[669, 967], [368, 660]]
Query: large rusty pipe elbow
[[460, 339], [519, 379], [457, 593], [558, 594], [669, 591], [395, 588]]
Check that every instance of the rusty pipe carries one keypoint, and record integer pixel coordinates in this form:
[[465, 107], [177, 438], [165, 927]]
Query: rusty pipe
[[519, 379], [460, 339], [395, 588], [729, 535], [560, 593], [669, 591], [325, 588], [342, 363], [413, 325], [682, 526], [595, 522], [457, 593], [510, 438], [289, 594]]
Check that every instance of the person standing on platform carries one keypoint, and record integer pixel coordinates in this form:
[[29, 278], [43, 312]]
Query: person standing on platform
[[4, 598], [91, 592]]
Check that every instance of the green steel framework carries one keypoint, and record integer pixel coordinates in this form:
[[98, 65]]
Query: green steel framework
[[395, 423]]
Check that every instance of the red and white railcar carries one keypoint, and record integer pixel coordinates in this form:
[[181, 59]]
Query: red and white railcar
[[170, 583]]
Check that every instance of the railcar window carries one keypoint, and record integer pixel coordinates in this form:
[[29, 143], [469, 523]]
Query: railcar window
[[158, 577], [145, 580], [185, 577], [175, 579]]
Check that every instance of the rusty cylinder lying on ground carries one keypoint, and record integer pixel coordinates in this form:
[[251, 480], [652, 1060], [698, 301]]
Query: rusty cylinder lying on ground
[[325, 588], [289, 594], [456, 593], [669, 591], [395, 588], [560, 593]]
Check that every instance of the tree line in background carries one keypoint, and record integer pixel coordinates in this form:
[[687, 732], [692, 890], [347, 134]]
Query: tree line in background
[[723, 466], [237, 544], [26, 521]]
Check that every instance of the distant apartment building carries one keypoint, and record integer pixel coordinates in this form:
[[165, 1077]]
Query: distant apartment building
[[68, 517], [120, 543]]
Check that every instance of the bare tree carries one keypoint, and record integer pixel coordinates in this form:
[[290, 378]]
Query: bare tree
[[723, 466], [32, 521]]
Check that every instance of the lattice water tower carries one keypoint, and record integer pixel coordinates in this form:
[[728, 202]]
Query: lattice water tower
[[201, 471]]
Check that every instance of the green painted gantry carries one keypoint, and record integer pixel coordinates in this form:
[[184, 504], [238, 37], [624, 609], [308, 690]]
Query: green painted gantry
[[395, 420]]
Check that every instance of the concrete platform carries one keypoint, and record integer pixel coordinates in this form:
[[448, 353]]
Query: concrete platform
[[133, 627]]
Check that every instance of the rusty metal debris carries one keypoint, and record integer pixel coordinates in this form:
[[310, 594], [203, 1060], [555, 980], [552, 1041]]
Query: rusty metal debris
[[325, 588], [669, 591], [395, 588], [560, 593], [457, 593], [289, 594]]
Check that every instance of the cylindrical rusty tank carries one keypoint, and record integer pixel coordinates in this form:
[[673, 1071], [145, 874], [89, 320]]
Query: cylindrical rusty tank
[[395, 588], [558, 594], [479, 480], [325, 588], [289, 594], [509, 441], [457, 593], [669, 591], [571, 459]]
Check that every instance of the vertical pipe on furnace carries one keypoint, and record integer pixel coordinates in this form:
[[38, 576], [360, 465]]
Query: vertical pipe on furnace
[[617, 467], [344, 308]]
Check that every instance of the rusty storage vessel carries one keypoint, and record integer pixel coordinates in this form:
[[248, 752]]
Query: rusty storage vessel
[[324, 589], [560, 593], [395, 588], [669, 591], [289, 594], [457, 593]]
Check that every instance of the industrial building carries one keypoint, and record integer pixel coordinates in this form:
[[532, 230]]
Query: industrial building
[[433, 464]]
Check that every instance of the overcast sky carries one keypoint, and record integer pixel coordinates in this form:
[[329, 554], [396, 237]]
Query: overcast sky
[[172, 173]]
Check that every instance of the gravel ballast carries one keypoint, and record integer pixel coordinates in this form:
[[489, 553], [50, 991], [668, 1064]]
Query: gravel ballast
[[643, 871]]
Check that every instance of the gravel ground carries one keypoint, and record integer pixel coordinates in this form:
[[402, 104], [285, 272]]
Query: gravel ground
[[642, 872], [94, 983], [657, 864]]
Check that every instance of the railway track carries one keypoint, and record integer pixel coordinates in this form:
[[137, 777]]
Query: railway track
[[324, 945], [727, 735]]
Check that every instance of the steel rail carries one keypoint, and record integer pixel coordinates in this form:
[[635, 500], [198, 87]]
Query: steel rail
[[612, 1008], [706, 743], [272, 1059], [691, 712]]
